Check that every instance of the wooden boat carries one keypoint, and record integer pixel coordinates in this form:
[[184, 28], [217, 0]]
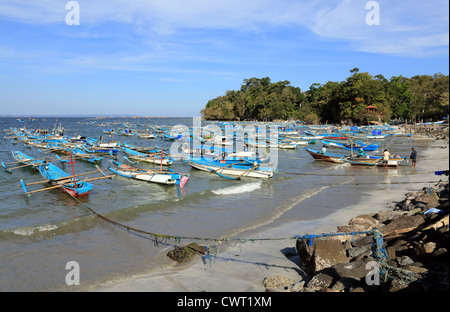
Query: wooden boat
[[89, 157], [150, 158], [361, 161], [56, 177], [351, 145], [26, 160], [234, 171], [330, 157], [146, 135], [101, 151], [392, 162], [162, 177]]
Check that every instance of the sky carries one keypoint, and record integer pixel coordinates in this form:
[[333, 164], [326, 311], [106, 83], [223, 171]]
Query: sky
[[169, 58]]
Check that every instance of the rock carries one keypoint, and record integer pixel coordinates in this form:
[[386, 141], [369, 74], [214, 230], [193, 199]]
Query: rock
[[278, 284], [441, 255], [366, 240], [359, 223], [298, 287], [402, 222], [430, 200], [385, 215], [398, 285], [356, 270], [404, 261], [398, 248], [357, 251], [323, 253], [186, 253], [320, 281], [427, 248], [416, 269]]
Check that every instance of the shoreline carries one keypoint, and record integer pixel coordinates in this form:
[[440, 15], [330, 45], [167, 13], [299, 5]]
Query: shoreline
[[243, 268]]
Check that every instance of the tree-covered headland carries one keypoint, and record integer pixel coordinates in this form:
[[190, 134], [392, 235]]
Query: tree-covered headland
[[361, 98]]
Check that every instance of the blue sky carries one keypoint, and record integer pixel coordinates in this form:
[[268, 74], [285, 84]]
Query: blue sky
[[168, 58]]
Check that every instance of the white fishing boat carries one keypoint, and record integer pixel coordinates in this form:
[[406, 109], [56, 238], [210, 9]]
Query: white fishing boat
[[161, 177]]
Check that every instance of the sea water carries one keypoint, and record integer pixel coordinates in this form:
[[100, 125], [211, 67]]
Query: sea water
[[41, 234]]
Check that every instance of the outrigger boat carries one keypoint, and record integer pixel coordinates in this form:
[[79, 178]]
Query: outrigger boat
[[392, 162], [233, 171], [351, 145], [24, 160], [57, 177], [162, 177], [89, 157], [330, 157], [361, 161], [150, 158]]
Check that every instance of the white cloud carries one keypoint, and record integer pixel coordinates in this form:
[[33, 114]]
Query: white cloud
[[407, 27]]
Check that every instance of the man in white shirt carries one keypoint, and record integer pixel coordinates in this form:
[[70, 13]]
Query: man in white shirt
[[386, 156]]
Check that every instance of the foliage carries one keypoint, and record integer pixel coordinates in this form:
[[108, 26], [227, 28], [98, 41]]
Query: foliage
[[421, 97]]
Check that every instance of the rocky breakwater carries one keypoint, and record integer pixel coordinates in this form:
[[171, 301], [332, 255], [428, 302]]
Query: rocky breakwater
[[401, 249]]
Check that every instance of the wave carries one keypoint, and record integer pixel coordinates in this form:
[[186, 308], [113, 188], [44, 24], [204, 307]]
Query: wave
[[31, 230], [238, 189]]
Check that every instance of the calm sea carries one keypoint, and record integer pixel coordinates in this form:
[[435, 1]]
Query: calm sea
[[41, 234]]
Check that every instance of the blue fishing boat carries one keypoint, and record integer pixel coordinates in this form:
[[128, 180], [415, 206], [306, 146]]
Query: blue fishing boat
[[89, 157], [55, 176], [234, 170], [351, 145]]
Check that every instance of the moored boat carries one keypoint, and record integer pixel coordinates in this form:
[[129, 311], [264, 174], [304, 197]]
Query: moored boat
[[330, 157], [150, 158], [162, 177], [235, 170]]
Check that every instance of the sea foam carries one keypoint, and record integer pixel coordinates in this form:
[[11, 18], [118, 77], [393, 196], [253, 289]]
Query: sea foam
[[238, 189]]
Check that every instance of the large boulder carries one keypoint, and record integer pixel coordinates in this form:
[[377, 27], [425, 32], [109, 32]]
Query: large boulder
[[402, 222], [359, 223], [320, 253]]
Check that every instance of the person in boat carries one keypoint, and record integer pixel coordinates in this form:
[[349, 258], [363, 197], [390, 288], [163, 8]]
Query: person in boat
[[324, 150], [360, 153], [413, 157], [386, 156]]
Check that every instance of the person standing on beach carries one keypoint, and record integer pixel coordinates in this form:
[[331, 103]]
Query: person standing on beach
[[386, 156], [413, 157]]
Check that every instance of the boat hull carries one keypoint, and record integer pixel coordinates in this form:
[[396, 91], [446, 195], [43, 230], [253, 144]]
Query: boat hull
[[326, 157], [228, 171]]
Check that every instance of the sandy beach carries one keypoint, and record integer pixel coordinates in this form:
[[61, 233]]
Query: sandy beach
[[242, 268]]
